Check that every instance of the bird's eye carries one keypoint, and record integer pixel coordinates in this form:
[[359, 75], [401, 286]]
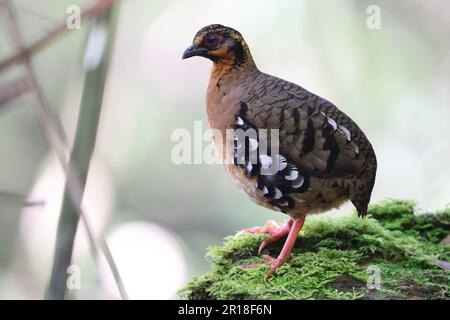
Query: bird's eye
[[210, 39]]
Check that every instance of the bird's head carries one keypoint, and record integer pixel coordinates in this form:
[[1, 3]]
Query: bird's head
[[219, 44]]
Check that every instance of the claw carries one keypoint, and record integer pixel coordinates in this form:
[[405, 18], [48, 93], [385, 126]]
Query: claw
[[292, 228]]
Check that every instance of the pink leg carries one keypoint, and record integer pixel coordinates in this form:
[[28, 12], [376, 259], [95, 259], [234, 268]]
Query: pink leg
[[287, 248], [292, 228], [277, 231], [281, 232]]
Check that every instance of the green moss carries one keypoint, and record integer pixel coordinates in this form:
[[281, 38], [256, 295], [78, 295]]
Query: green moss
[[333, 259], [400, 215]]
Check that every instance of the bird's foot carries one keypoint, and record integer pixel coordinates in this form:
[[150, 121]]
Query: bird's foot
[[274, 264], [293, 227], [276, 231], [269, 261]]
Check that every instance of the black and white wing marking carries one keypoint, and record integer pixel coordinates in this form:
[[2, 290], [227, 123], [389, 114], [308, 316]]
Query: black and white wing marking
[[278, 187]]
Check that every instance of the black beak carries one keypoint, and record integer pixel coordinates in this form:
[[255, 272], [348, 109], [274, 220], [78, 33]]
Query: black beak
[[193, 51]]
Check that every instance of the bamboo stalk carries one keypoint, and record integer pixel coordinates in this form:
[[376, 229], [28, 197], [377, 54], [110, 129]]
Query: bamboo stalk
[[98, 53]]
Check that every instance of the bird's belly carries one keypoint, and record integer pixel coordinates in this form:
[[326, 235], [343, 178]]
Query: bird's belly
[[321, 196]]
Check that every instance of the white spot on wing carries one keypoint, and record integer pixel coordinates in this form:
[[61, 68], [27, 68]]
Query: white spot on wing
[[278, 194], [299, 182], [282, 163], [239, 121], [332, 123], [266, 161], [292, 175], [253, 144], [346, 133]]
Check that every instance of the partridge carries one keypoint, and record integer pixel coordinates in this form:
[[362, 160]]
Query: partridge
[[323, 158]]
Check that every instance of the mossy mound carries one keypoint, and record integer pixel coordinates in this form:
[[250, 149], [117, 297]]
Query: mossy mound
[[335, 258]]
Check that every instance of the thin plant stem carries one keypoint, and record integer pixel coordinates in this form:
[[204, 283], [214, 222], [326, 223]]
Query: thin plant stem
[[88, 119]]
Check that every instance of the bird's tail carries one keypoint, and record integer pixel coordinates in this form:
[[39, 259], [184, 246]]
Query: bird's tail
[[362, 198], [361, 204]]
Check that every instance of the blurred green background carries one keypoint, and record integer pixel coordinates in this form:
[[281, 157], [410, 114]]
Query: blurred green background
[[159, 217]]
